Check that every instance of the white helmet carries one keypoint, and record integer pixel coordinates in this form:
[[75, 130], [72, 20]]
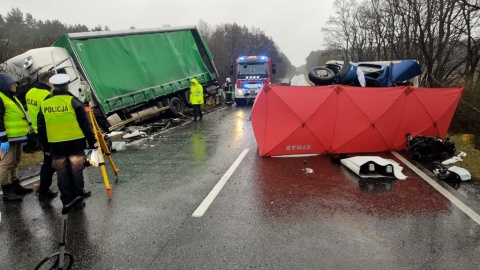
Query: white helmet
[[228, 80]]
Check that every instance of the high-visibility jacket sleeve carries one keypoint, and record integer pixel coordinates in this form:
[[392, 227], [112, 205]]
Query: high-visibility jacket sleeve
[[3, 131]]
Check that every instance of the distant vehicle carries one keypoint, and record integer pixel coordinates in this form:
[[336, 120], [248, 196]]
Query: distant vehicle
[[285, 81], [370, 74], [251, 73]]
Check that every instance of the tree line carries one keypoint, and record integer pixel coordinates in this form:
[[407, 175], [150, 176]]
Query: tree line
[[20, 33], [443, 35]]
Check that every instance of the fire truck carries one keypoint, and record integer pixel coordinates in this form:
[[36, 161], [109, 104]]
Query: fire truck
[[250, 73]]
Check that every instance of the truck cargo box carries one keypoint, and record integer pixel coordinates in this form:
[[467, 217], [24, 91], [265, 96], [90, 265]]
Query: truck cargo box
[[132, 67]]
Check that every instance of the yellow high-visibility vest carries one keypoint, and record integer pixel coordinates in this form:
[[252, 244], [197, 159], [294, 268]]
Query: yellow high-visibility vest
[[15, 118], [34, 99], [60, 119]]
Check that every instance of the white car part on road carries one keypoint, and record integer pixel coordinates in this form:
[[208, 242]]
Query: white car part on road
[[376, 167]]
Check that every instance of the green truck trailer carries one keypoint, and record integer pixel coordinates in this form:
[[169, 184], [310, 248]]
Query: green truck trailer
[[131, 74]]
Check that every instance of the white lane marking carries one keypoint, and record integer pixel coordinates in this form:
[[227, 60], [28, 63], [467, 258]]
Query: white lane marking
[[202, 208], [467, 210]]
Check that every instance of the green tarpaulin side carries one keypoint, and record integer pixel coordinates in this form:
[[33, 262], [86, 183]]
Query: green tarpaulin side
[[130, 69]]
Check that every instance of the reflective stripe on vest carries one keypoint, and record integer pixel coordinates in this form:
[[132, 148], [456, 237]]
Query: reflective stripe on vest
[[15, 118], [60, 119], [34, 99], [229, 88]]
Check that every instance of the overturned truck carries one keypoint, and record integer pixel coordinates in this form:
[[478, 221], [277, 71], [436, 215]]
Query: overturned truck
[[125, 76]]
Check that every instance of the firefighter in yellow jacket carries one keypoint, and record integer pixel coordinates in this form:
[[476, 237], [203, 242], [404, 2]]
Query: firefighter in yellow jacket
[[64, 129], [14, 128], [196, 99]]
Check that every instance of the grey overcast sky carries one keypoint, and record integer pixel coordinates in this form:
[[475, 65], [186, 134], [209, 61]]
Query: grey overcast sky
[[294, 25]]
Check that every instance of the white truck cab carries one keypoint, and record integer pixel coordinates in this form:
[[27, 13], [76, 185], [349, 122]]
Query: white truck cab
[[28, 66]]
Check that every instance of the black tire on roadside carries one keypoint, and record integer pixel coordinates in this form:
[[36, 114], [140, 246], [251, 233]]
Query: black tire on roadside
[[186, 99], [176, 106]]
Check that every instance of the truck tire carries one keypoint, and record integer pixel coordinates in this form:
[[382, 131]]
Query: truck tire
[[186, 99], [176, 106], [321, 76]]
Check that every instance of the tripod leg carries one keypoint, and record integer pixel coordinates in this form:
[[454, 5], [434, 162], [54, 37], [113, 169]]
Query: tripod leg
[[103, 145], [105, 180], [101, 164], [105, 149], [101, 141]]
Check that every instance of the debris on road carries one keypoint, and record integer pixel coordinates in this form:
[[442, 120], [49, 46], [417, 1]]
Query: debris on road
[[374, 167], [455, 159], [453, 173], [308, 170], [135, 134]]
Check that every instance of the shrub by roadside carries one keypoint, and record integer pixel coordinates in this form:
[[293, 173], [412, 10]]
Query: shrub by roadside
[[464, 143]]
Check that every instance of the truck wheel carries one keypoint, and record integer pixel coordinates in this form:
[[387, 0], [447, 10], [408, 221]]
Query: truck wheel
[[176, 106], [321, 76], [186, 99]]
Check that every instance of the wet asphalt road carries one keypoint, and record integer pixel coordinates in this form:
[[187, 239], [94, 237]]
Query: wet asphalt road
[[270, 214]]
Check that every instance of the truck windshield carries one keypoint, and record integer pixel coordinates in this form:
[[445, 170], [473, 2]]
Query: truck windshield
[[252, 68]]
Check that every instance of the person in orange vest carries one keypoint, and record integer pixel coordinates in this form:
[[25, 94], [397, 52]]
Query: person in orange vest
[[196, 99], [34, 99], [14, 128], [64, 130]]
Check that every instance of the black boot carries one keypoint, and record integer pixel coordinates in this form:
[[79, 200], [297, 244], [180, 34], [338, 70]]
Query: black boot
[[48, 195], [18, 189], [8, 195]]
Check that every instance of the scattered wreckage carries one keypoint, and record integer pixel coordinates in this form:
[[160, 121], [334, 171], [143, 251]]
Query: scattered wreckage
[[439, 154], [429, 148], [374, 167]]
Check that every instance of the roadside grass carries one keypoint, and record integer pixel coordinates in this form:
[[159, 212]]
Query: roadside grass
[[30, 160], [464, 143]]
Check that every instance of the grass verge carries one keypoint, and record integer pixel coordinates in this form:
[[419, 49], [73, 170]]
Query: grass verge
[[464, 143], [30, 160]]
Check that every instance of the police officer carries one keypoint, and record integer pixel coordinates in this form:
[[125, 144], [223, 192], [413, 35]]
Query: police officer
[[34, 98], [64, 129], [14, 128]]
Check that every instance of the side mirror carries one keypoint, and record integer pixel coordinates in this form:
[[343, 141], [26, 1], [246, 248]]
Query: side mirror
[[274, 69], [231, 69]]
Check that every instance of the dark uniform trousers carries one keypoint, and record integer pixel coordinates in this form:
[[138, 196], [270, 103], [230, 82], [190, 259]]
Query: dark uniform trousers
[[69, 165]]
